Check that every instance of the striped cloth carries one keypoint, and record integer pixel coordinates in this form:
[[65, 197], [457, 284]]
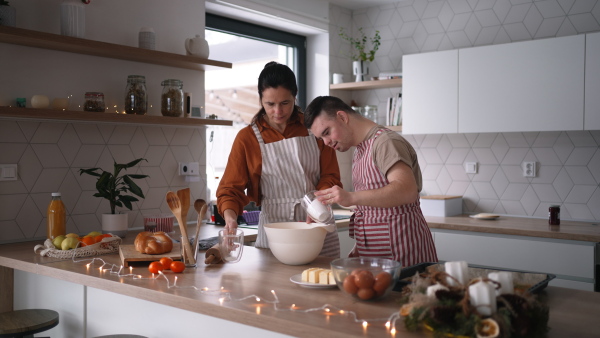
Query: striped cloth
[[399, 233], [290, 169]]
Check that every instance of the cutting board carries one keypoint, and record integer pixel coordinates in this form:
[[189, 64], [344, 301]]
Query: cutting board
[[130, 256]]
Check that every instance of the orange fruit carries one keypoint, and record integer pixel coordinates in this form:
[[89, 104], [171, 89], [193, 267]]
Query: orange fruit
[[87, 240], [166, 262]]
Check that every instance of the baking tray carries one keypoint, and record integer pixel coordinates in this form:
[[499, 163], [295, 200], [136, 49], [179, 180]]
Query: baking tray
[[539, 281]]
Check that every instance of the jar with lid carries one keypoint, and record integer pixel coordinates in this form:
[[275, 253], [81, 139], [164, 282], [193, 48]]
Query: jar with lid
[[136, 99], [94, 101], [554, 215], [171, 103], [370, 112], [56, 217]]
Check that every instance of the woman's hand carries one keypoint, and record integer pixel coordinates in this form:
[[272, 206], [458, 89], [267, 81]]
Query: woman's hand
[[333, 195], [231, 223]]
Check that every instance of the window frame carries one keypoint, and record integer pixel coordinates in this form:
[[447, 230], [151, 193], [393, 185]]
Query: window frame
[[261, 33]]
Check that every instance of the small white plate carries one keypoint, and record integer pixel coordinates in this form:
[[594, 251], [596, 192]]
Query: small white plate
[[485, 216], [297, 279]]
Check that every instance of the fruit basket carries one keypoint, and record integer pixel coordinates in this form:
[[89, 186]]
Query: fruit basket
[[105, 246]]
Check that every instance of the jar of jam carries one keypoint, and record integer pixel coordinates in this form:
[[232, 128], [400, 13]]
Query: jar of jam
[[94, 101], [554, 215]]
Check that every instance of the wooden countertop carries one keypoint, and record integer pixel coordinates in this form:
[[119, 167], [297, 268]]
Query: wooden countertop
[[533, 227], [572, 312]]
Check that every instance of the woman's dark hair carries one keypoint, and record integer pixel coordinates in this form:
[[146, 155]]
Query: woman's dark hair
[[272, 76], [328, 105]]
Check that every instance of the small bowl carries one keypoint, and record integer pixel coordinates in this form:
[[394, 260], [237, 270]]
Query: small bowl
[[366, 278], [295, 243]]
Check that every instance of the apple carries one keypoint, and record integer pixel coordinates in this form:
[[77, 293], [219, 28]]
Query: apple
[[72, 235], [58, 241], [94, 234], [69, 243]]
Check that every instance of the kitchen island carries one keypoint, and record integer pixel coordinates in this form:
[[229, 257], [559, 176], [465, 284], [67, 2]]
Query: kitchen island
[[221, 300]]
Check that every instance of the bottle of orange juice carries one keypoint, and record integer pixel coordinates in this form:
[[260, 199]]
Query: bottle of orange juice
[[57, 217]]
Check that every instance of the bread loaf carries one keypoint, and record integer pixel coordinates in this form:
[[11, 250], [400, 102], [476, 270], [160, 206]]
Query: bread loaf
[[153, 243]]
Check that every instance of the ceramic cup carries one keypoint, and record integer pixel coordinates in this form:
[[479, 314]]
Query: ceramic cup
[[231, 245], [338, 78]]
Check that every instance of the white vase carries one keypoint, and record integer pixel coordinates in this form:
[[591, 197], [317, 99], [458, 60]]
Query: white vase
[[360, 69], [72, 18], [8, 16], [115, 224]]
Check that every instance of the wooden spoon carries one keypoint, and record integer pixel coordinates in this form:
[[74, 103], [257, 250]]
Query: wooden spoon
[[200, 206], [175, 206], [184, 199]]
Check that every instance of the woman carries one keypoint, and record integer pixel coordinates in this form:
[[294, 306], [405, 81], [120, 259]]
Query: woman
[[275, 161]]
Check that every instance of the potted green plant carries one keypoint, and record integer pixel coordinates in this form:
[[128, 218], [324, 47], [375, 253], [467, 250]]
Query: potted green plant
[[360, 55], [8, 15], [114, 187]]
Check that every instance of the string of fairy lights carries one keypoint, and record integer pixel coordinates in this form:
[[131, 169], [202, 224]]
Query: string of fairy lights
[[326, 309]]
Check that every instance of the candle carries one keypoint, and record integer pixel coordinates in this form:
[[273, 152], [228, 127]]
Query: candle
[[505, 279], [432, 289], [483, 297], [458, 270]]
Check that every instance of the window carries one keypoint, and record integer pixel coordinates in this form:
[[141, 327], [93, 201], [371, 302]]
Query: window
[[232, 94]]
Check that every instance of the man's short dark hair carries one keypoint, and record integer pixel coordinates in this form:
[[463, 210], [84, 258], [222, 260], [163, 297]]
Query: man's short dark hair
[[330, 105]]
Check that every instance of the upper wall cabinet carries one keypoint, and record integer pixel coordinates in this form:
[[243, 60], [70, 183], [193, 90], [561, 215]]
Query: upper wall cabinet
[[430, 93], [592, 82], [525, 86]]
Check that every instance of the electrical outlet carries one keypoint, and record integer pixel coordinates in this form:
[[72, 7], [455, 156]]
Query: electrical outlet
[[529, 169], [8, 172], [189, 169], [471, 167]]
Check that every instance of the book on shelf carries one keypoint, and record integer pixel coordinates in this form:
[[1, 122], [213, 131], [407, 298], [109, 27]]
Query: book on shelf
[[390, 75], [394, 110]]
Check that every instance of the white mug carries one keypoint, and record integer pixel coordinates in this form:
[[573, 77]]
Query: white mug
[[338, 78]]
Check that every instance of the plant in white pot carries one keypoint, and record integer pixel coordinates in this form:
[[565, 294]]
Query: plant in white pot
[[8, 15], [360, 55], [114, 187]]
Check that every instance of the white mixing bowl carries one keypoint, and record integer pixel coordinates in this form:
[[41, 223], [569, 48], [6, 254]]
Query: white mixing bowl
[[295, 243]]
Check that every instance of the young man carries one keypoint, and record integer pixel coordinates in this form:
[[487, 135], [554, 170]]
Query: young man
[[388, 221]]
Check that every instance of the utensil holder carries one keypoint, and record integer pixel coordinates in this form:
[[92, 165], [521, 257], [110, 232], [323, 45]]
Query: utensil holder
[[185, 258]]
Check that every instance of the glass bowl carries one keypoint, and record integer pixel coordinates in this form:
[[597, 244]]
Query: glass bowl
[[366, 278]]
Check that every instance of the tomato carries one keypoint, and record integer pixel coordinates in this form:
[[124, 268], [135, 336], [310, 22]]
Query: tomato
[[364, 279], [166, 262], [177, 266], [155, 267]]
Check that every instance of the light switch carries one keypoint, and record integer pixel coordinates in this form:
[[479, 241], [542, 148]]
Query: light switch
[[8, 172], [471, 167]]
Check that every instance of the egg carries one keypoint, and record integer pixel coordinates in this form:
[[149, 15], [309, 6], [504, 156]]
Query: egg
[[364, 279], [350, 285], [366, 293]]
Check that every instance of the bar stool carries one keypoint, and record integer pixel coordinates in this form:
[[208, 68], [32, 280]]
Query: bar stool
[[24, 323]]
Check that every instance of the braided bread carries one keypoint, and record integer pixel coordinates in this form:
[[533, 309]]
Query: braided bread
[[153, 243]]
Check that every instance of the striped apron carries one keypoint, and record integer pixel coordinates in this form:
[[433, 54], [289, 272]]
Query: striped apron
[[399, 233], [290, 169]]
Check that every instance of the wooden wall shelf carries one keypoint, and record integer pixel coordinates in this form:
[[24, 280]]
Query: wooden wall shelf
[[367, 85], [85, 116], [30, 38]]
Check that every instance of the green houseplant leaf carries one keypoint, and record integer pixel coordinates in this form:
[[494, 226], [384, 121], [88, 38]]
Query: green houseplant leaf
[[359, 45], [114, 186]]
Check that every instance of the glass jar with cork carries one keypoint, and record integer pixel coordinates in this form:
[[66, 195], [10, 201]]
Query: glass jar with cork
[[136, 99], [171, 103]]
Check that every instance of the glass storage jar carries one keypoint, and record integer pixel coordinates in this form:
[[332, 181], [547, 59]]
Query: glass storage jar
[[94, 101], [171, 103], [136, 99], [370, 112]]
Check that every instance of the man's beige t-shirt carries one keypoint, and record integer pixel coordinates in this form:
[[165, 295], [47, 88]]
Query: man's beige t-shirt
[[389, 148]]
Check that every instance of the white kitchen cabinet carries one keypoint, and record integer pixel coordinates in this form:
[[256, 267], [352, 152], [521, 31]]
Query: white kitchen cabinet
[[592, 82], [430, 93], [571, 261], [524, 86]]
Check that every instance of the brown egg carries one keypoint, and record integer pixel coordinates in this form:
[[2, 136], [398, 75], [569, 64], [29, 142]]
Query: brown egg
[[382, 281], [349, 285], [364, 279], [356, 272], [365, 294]]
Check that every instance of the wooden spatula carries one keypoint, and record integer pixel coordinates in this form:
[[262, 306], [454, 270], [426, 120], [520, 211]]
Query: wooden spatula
[[184, 199], [200, 206]]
